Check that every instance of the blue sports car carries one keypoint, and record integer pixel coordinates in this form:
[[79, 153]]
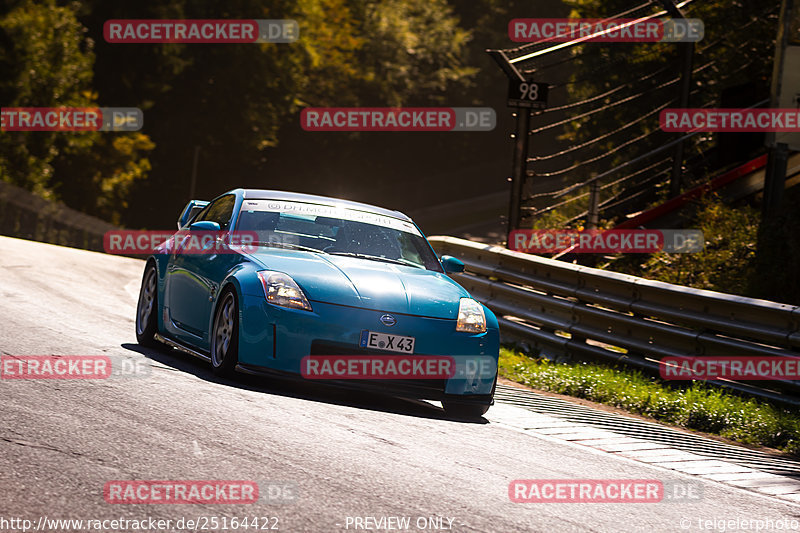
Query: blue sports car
[[321, 283]]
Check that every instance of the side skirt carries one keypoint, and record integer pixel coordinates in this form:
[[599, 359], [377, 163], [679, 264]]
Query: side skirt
[[182, 347]]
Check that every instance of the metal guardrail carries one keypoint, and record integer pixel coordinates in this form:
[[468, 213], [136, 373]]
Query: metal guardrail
[[591, 314], [27, 216]]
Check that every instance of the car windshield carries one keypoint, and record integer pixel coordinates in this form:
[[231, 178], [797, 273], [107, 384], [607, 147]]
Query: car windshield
[[336, 231]]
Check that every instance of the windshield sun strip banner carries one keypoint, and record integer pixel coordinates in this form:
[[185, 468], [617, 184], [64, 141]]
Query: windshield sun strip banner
[[352, 215]]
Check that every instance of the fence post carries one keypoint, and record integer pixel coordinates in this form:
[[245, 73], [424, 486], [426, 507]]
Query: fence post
[[594, 205], [519, 172], [687, 61], [687, 64]]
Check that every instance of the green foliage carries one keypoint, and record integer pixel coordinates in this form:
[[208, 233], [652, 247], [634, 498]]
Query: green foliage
[[698, 406], [109, 170], [740, 257], [550, 220], [48, 63], [727, 264], [234, 101], [414, 51]]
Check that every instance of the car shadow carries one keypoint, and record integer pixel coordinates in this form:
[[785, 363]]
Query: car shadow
[[299, 388]]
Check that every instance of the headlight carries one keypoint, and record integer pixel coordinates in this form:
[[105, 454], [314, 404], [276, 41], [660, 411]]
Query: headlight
[[470, 316], [280, 289]]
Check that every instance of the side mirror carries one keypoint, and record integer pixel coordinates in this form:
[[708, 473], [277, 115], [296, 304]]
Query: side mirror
[[204, 225], [191, 209], [451, 265]]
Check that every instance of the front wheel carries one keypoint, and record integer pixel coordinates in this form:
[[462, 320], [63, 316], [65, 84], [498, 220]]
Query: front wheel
[[465, 410], [147, 308], [225, 336]]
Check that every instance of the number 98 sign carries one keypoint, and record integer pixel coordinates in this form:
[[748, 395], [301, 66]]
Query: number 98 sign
[[527, 94]]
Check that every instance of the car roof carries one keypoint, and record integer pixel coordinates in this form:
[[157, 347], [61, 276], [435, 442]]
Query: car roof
[[261, 194]]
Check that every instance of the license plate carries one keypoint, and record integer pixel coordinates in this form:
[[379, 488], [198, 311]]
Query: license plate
[[384, 341]]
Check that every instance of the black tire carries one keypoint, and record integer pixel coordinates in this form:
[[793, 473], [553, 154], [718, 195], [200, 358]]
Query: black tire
[[225, 335], [464, 410], [147, 308], [458, 409]]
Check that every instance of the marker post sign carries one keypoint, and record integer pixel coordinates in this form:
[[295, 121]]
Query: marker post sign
[[523, 95], [527, 94]]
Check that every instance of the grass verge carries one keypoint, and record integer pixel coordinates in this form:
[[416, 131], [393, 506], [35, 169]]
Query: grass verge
[[697, 406]]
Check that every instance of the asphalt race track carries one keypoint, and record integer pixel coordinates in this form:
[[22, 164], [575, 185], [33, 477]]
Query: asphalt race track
[[348, 454]]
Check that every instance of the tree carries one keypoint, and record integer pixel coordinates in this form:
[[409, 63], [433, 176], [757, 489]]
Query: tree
[[46, 61]]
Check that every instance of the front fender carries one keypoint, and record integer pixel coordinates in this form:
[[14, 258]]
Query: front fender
[[243, 280], [161, 262]]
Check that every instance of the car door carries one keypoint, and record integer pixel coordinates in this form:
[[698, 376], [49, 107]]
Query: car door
[[193, 278]]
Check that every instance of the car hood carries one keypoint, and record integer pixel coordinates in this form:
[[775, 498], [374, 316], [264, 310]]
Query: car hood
[[367, 284]]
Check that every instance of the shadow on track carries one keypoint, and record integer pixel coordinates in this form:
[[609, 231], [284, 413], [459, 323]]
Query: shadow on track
[[298, 387]]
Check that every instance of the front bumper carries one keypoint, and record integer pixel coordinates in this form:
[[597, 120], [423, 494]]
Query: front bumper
[[277, 339]]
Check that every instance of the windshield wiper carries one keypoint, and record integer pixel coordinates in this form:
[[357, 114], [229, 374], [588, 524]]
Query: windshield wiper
[[290, 246], [399, 261]]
